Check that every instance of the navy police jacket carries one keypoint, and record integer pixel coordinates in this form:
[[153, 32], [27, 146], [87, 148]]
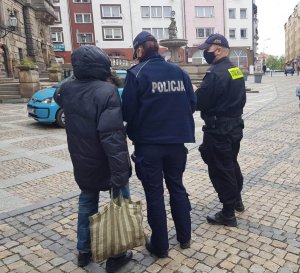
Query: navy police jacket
[[222, 93], [158, 102]]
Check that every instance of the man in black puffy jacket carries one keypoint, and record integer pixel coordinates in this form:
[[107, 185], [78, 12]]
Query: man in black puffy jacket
[[96, 140]]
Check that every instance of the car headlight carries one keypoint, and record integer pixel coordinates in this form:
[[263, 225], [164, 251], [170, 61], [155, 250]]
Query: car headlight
[[48, 100]]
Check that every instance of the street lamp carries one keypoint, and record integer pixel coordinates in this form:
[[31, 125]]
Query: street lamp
[[12, 24]]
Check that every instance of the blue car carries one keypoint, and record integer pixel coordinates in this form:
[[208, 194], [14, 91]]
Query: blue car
[[44, 109]]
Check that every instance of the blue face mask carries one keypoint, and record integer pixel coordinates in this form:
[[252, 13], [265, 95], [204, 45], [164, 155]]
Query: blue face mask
[[209, 56]]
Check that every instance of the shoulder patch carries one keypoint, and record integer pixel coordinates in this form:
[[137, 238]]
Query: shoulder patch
[[235, 73]]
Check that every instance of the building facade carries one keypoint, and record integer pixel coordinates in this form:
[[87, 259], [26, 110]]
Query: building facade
[[239, 31], [292, 37], [31, 37], [113, 24]]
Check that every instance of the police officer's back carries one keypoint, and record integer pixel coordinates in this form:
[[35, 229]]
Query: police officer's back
[[158, 105], [221, 99]]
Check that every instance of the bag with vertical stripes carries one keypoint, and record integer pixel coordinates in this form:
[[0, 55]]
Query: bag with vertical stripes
[[116, 229]]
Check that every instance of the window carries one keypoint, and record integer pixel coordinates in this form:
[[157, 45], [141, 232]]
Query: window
[[239, 58], [156, 12], [112, 33], [111, 11], [204, 32], [57, 37], [204, 11], [56, 1], [85, 38], [243, 13], [158, 33], [232, 33], [21, 56], [81, 1], [83, 18], [147, 29], [198, 57], [145, 12], [166, 33], [57, 15], [243, 33], [231, 13], [167, 11]]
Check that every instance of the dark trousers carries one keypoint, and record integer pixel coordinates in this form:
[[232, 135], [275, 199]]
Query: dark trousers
[[153, 163], [220, 153]]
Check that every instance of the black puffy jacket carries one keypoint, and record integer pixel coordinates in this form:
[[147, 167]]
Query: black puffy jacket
[[94, 124]]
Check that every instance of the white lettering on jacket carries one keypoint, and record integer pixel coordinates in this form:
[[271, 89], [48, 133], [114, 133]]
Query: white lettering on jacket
[[168, 86]]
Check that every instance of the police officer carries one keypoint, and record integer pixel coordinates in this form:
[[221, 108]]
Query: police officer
[[221, 99], [158, 103]]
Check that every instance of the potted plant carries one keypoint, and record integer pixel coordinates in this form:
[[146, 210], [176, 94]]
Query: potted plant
[[28, 77], [27, 64], [258, 77], [55, 73]]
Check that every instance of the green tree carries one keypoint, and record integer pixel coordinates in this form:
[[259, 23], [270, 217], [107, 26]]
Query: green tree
[[275, 62]]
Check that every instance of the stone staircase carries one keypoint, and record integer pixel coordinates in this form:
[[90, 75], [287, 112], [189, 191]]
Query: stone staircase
[[10, 91]]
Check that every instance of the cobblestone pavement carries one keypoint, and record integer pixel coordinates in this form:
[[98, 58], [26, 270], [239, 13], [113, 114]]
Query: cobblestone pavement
[[38, 196]]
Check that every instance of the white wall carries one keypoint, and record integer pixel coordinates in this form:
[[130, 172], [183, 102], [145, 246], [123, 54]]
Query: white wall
[[139, 23], [132, 21], [238, 23], [65, 24], [125, 22]]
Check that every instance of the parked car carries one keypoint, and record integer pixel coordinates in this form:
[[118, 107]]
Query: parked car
[[289, 70], [44, 109]]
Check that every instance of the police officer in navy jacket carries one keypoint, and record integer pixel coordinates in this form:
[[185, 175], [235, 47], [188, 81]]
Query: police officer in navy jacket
[[158, 105], [221, 99]]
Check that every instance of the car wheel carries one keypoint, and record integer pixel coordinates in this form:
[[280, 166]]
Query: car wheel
[[60, 118]]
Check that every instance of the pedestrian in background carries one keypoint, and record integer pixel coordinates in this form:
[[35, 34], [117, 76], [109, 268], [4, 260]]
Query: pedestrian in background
[[96, 141], [221, 99], [264, 69], [158, 104]]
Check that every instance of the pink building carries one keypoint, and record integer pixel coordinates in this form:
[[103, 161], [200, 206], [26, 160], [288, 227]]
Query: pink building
[[203, 17]]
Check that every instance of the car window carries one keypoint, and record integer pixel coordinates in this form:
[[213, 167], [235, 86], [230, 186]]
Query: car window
[[122, 77]]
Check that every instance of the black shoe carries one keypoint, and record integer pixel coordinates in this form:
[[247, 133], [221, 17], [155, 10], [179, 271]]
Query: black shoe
[[150, 248], [220, 219], [239, 206], [115, 263], [185, 245], [84, 258]]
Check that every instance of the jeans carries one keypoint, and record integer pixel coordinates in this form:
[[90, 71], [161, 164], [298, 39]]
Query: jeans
[[88, 206]]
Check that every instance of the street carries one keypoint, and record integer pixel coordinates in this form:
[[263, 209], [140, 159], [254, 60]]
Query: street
[[38, 196]]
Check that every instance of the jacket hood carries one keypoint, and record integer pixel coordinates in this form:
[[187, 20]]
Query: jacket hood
[[90, 62]]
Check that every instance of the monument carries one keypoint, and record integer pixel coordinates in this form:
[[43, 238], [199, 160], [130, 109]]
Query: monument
[[173, 43]]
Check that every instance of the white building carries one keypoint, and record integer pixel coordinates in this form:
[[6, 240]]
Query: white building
[[239, 31]]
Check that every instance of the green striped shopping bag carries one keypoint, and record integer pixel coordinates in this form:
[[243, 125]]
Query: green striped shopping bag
[[116, 229]]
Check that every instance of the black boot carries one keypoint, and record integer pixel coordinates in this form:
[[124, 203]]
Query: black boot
[[150, 248], [185, 245], [239, 206], [84, 258], [220, 219], [115, 263]]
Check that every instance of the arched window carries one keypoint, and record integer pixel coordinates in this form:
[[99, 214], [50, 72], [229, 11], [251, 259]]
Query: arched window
[[198, 58], [239, 58]]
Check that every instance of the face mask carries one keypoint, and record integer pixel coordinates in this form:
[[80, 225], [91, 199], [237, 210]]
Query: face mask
[[209, 56]]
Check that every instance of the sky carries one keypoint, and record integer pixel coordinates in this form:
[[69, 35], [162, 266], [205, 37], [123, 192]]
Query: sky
[[272, 15]]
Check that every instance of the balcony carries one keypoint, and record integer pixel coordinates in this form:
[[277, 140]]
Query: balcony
[[44, 11]]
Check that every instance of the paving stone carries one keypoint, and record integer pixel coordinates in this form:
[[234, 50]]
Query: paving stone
[[42, 237]]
